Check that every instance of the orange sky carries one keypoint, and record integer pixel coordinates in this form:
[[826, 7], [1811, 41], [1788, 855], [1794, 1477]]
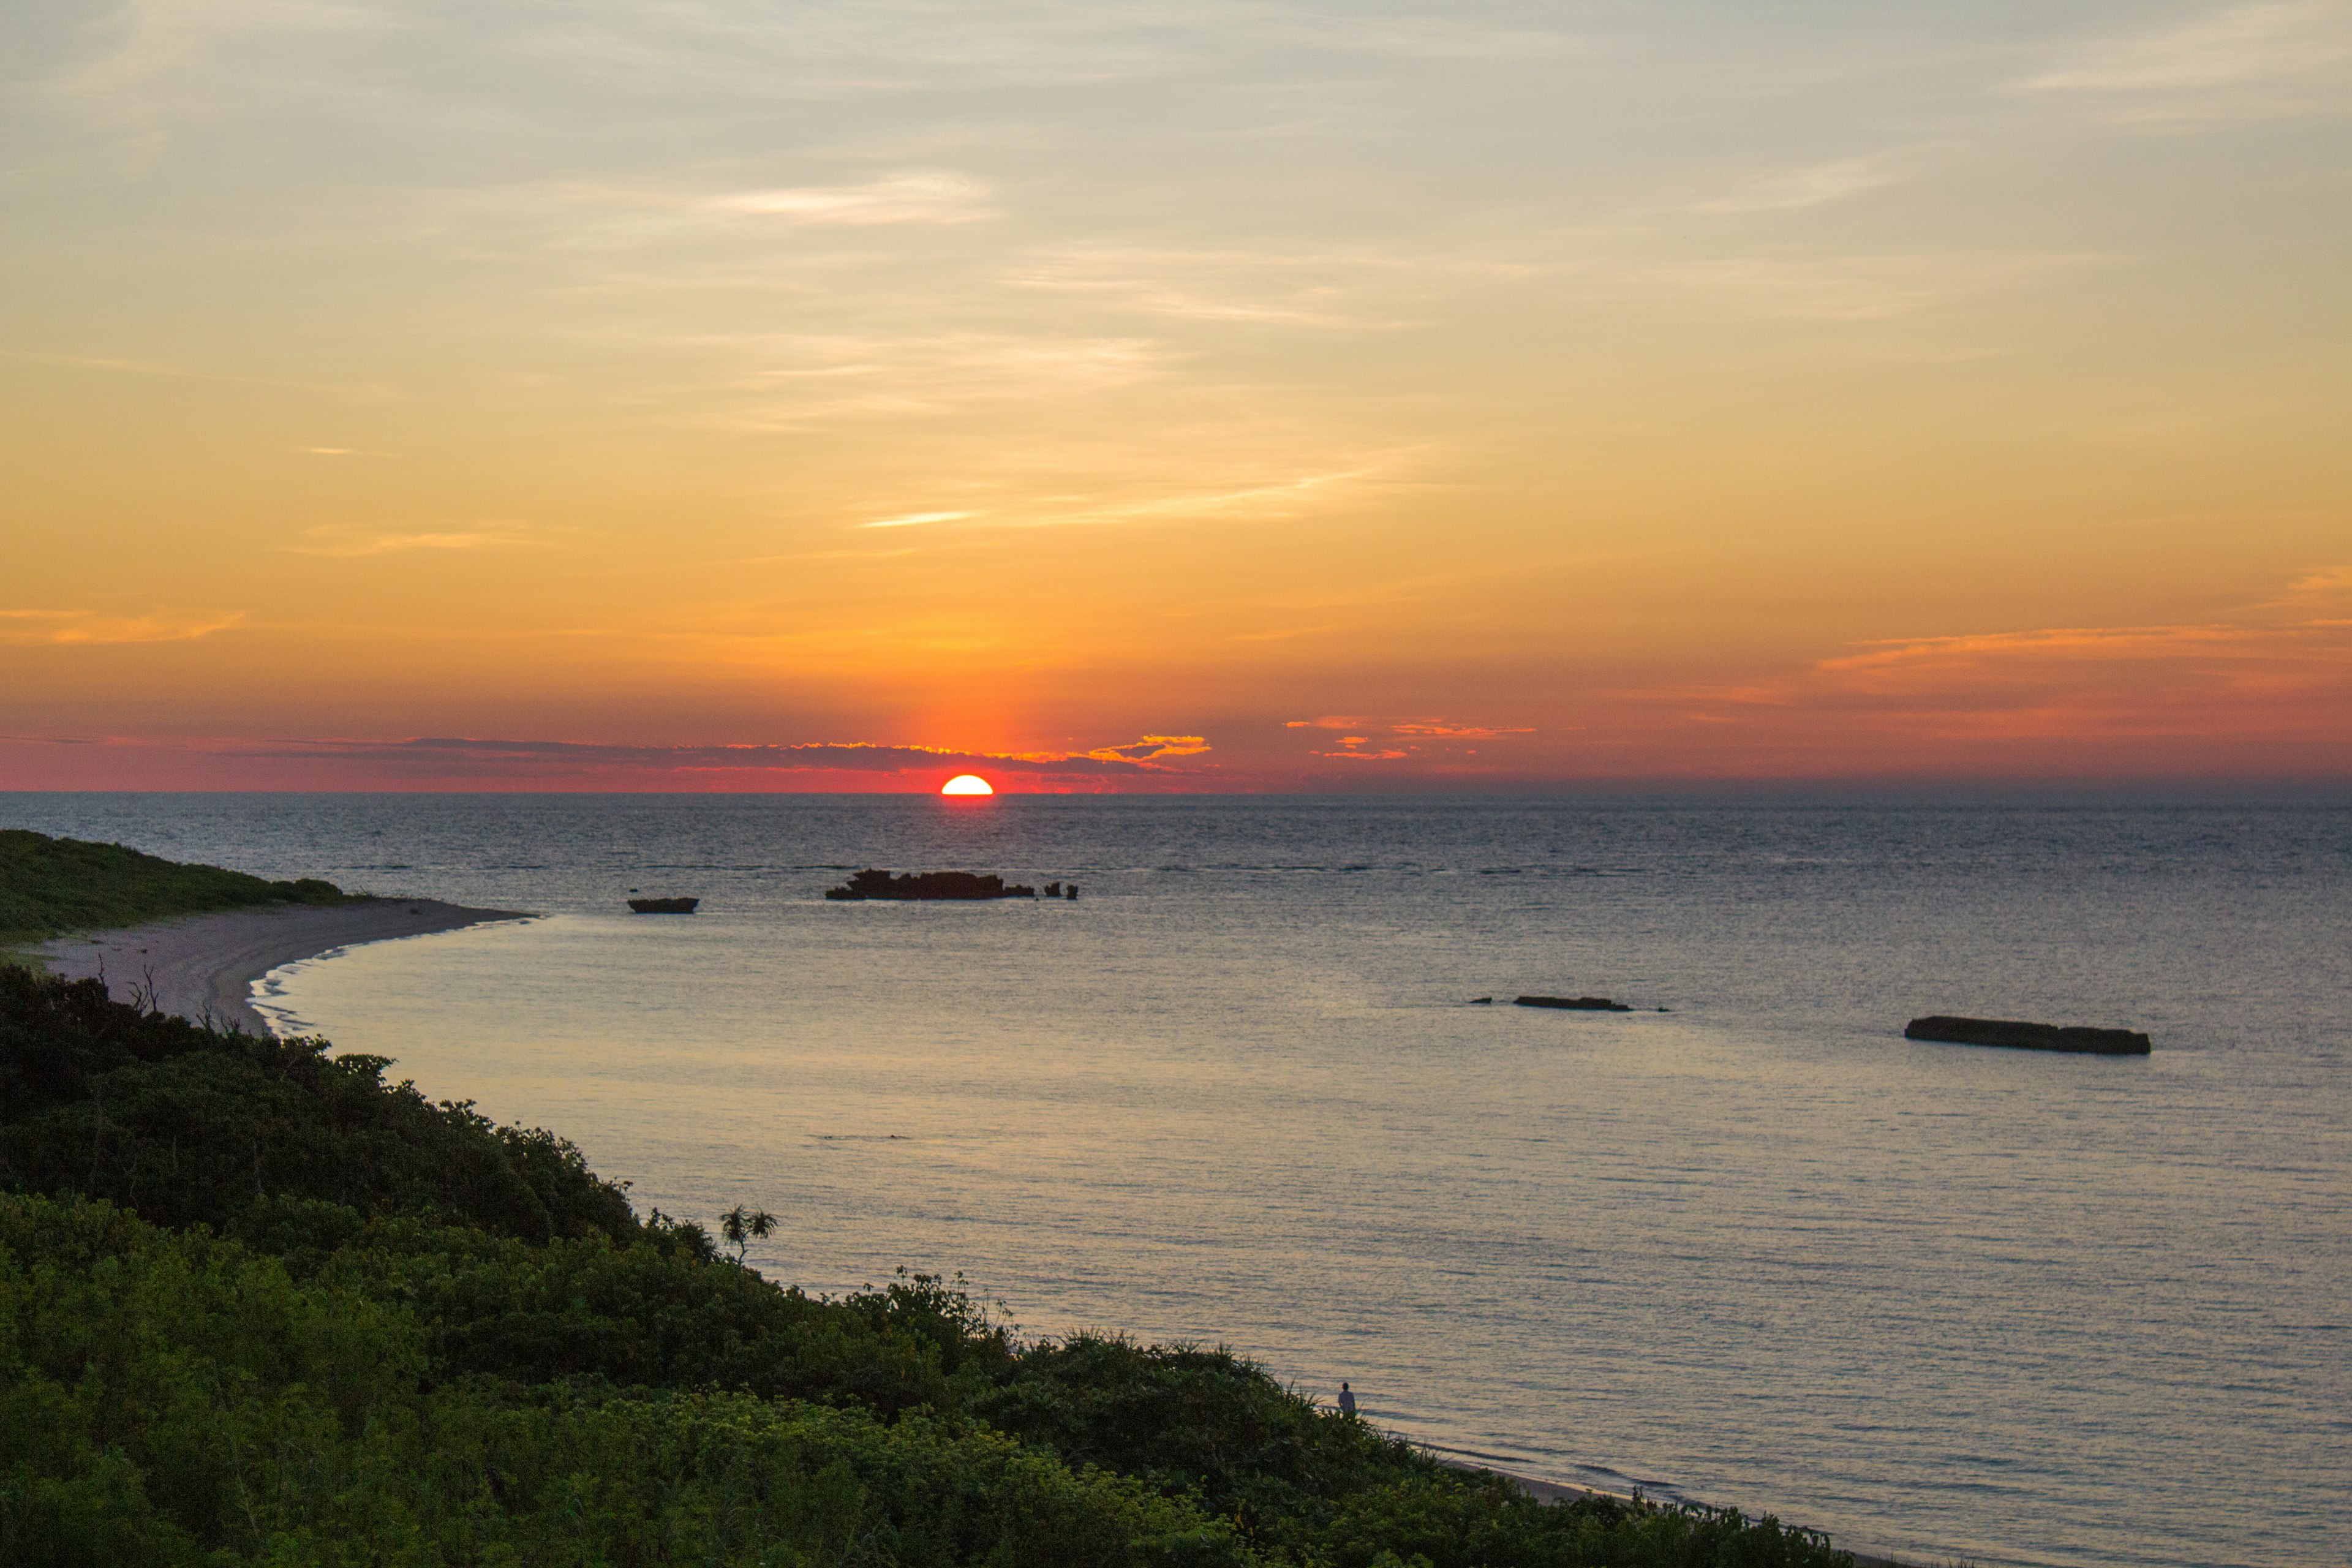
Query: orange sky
[[1139, 396]]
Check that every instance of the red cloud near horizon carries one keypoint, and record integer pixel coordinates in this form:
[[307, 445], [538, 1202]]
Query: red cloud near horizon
[[2262, 692]]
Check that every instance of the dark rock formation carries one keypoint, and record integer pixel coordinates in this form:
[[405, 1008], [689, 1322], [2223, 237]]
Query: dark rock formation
[[2027, 1037], [664, 906], [1574, 1003], [873, 884]]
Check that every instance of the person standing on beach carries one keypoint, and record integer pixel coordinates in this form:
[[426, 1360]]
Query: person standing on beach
[[1347, 1400]]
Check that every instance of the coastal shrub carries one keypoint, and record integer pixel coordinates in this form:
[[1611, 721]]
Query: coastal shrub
[[1464, 1521], [51, 886], [1200, 1423], [191, 1126], [646, 1315], [177, 1399], [347, 1325]]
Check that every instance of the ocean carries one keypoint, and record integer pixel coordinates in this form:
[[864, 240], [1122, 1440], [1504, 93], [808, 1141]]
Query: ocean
[[1745, 1245]]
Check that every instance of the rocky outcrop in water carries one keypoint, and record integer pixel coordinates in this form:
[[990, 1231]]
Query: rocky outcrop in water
[[871, 883], [1574, 1003], [2027, 1037]]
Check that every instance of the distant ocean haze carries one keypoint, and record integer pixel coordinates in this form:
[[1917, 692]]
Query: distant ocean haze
[[1756, 1249]]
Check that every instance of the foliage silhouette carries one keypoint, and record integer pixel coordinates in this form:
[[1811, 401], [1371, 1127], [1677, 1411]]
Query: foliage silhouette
[[741, 1225]]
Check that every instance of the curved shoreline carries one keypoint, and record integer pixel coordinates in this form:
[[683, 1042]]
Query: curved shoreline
[[202, 967]]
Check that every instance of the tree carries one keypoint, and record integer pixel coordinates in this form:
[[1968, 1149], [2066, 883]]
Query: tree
[[739, 1225]]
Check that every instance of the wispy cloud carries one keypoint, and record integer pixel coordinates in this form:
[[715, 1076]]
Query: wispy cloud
[[901, 198], [2247, 61], [1863, 288], [68, 627], [1440, 729], [1815, 186], [1276, 499], [1401, 740], [1366, 290], [830, 378], [523, 759], [342, 540], [177, 372], [917, 519], [2281, 668], [1151, 748], [2329, 588]]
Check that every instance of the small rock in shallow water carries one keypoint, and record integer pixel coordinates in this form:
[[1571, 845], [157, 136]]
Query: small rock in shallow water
[[1574, 1003], [2026, 1037]]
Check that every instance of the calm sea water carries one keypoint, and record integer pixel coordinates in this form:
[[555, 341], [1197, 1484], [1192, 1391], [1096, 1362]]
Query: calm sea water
[[1754, 1249]]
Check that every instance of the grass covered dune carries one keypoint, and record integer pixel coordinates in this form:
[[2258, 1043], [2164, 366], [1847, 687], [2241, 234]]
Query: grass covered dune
[[260, 1306], [190, 940], [52, 886]]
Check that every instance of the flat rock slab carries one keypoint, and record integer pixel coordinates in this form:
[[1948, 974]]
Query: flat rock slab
[[202, 967], [2027, 1037], [873, 883], [1573, 1004]]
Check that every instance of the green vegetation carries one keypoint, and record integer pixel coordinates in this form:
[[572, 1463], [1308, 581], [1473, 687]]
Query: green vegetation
[[51, 886], [259, 1306]]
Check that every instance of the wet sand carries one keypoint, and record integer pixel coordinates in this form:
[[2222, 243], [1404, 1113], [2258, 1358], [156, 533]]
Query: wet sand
[[202, 967]]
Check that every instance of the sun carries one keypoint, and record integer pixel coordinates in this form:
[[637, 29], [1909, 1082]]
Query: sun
[[966, 783]]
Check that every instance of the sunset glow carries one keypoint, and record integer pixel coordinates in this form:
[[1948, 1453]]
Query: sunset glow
[[966, 783], [1133, 400]]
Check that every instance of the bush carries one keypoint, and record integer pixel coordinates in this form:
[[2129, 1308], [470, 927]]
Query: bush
[[190, 1126]]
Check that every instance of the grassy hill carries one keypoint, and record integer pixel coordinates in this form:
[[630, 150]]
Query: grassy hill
[[51, 886]]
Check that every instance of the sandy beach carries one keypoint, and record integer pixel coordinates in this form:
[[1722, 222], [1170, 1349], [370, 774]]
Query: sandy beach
[[202, 967]]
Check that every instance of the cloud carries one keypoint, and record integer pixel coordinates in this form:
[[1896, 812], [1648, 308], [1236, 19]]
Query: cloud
[[915, 519], [1438, 729], [1279, 498], [1808, 188], [1422, 740], [904, 198], [491, 757], [70, 627], [180, 373], [2328, 588], [2248, 62], [1365, 289], [1905, 659], [835, 377], [1866, 288], [1150, 748], [341, 540], [2260, 673]]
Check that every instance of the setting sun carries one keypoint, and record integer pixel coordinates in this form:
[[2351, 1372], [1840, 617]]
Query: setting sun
[[967, 783]]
